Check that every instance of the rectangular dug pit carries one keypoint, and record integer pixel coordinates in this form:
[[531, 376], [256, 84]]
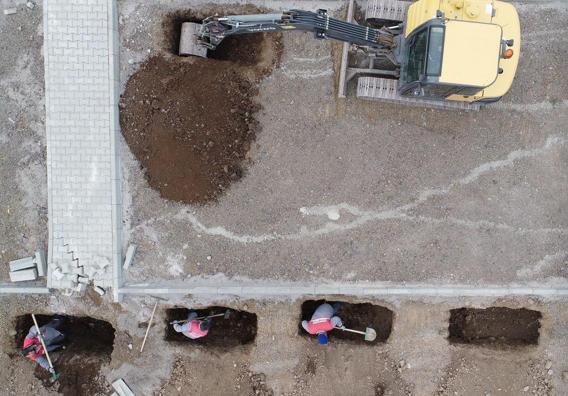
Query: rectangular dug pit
[[238, 329], [88, 345], [353, 316], [494, 326]]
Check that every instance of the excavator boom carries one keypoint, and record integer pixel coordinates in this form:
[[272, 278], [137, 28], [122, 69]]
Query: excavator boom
[[197, 38]]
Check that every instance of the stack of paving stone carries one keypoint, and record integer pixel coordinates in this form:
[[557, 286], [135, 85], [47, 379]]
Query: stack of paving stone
[[28, 268], [73, 276]]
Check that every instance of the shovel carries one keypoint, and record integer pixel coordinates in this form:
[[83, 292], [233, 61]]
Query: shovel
[[54, 375], [225, 315], [369, 333]]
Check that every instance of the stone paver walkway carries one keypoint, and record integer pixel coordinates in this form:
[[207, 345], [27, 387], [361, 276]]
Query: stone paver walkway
[[81, 71]]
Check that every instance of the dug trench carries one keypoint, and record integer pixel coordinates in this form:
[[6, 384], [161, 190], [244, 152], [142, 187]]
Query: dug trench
[[88, 345], [353, 316], [237, 328], [190, 122], [495, 326]]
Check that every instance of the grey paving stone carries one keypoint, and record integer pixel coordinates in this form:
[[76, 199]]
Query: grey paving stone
[[81, 136]]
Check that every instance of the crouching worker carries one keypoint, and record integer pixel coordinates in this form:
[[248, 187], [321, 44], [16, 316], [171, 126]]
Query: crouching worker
[[322, 321], [191, 327], [52, 337]]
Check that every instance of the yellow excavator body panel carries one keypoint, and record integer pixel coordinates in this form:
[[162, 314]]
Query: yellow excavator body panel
[[471, 53], [473, 43]]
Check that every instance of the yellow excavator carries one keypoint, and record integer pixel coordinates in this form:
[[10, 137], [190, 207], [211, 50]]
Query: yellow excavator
[[438, 53]]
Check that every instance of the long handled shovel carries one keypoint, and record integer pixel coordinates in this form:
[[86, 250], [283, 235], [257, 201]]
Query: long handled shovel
[[148, 328], [54, 375], [369, 333], [225, 315]]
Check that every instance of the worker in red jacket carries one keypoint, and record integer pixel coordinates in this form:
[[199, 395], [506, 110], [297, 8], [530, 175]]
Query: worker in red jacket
[[52, 337], [322, 321], [192, 328]]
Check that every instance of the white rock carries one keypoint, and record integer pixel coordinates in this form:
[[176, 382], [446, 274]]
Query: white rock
[[99, 290], [208, 257], [526, 389], [333, 214], [550, 372], [10, 11], [57, 273], [548, 365], [30, 5]]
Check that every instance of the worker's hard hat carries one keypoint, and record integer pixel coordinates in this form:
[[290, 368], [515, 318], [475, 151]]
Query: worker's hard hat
[[322, 338], [205, 325]]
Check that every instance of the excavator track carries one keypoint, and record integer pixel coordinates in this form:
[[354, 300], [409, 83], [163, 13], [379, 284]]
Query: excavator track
[[385, 90], [386, 10]]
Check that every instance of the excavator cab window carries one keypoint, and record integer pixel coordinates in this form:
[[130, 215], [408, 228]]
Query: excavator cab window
[[424, 55], [416, 57], [424, 63], [435, 47]]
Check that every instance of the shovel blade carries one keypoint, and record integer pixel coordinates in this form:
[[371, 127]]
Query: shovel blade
[[188, 43], [54, 377], [370, 334]]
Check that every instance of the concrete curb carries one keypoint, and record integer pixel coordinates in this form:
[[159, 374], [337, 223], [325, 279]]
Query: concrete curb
[[116, 178], [346, 290], [24, 290]]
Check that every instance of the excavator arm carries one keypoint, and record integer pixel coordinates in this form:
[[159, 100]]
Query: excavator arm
[[197, 38]]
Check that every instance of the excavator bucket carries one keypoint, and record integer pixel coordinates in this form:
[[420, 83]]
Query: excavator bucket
[[188, 43]]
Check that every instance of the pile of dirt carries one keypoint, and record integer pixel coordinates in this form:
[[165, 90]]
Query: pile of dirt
[[356, 317], [238, 329], [495, 325], [89, 345], [190, 121]]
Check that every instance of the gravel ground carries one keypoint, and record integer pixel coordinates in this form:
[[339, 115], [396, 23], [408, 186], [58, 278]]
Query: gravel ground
[[23, 194], [338, 190], [354, 190]]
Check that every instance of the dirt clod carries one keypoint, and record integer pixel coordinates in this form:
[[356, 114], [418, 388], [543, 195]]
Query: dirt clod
[[495, 325], [88, 345], [238, 329], [354, 316]]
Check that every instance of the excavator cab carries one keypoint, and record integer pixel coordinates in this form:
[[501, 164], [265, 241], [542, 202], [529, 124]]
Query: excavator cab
[[464, 53]]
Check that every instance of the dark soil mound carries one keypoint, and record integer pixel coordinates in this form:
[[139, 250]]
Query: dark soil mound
[[356, 317], [190, 121], [239, 329], [495, 325], [89, 345]]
